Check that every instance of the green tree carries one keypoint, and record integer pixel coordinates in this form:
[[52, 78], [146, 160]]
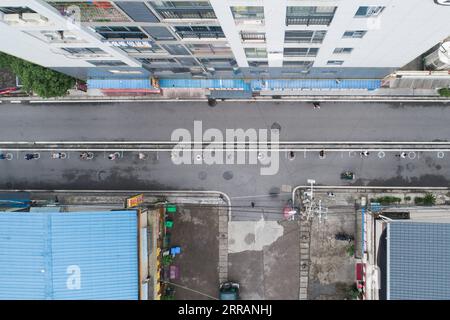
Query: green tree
[[43, 81], [444, 92], [429, 199]]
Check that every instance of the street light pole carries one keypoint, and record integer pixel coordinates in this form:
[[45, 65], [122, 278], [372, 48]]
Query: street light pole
[[311, 181]]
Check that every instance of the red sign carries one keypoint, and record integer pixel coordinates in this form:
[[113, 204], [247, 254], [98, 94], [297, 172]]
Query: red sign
[[135, 201]]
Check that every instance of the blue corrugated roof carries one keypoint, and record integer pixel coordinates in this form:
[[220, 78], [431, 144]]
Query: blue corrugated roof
[[119, 84], [418, 261], [41, 252], [205, 83], [272, 84]]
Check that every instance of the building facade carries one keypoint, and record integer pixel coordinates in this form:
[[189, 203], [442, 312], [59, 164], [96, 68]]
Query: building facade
[[352, 39]]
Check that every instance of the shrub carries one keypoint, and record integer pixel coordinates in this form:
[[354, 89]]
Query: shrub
[[167, 260], [407, 198], [43, 81], [353, 293], [429, 199], [386, 200], [351, 250], [444, 92]]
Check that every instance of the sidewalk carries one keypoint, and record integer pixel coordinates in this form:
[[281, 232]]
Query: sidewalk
[[404, 87]]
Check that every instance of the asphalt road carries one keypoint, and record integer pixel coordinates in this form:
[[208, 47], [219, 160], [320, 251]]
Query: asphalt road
[[157, 120], [243, 183]]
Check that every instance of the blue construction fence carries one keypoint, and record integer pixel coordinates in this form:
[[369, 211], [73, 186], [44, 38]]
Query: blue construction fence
[[239, 84], [272, 84]]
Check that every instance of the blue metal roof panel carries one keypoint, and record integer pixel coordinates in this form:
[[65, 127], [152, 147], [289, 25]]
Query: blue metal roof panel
[[38, 252], [22, 256], [119, 84], [418, 261]]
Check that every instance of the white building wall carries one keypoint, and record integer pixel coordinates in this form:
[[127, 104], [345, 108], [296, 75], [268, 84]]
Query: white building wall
[[20, 39], [403, 31], [275, 21], [226, 20]]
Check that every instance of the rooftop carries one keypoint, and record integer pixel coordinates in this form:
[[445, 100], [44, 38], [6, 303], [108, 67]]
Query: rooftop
[[69, 255], [418, 261]]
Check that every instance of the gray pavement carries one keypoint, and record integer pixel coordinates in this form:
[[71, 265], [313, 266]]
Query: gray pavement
[[156, 120], [243, 183]]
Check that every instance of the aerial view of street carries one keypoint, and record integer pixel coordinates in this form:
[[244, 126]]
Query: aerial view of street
[[225, 150]]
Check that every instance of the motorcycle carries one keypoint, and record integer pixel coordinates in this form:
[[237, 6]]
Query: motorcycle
[[289, 212], [59, 155], [347, 175], [114, 156], [87, 155], [30, 156], [6, 156]]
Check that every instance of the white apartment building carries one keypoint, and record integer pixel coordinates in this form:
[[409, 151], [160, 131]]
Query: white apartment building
[[223, 38]]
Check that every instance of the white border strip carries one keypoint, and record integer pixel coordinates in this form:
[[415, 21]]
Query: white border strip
[[231, 142], [269, 99]]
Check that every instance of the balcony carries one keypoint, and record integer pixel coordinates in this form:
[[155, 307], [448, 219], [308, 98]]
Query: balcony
[[200, 35], [97, 11], [309, 20], [253, 37], [186, 14]]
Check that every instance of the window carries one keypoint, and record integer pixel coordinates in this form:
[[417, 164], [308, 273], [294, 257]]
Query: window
[[199, 32], [107, 63], [120, 32], [253, 36], [255, 52], [368, 11], [354, 34], [335, 62], [213, 62], [185, 9], [343, 50], [300, 52], [302, 15], [86, 51], [137, 46], [298, 64], [303, 36], [90, 11], [248, 13], [182, 4], [18, 10], [156, 61], [258, 64], [206, 48]]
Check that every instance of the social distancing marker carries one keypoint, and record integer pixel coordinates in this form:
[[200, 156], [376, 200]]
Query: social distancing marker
[[381, 154], [440, 154], [352, 154], [411, 155]]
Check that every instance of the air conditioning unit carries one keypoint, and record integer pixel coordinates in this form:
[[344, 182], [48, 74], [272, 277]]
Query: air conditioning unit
[[34, 18], [12, 18]]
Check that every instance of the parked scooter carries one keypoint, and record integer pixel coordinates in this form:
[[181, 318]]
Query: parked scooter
[[6, 156], [30, 156], [87, 155], [289, 211], [59, 155]]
